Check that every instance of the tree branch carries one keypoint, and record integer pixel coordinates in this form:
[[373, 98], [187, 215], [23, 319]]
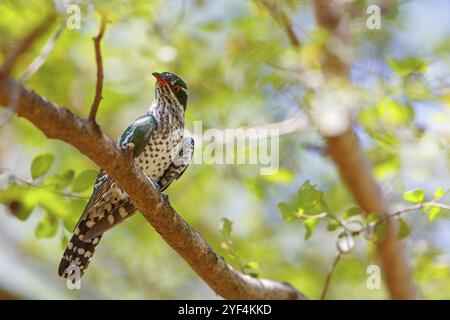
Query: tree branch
[[354, 167], [420, 206], [329, 274], [98, 59], [59, 123], [46, 50], [24, 45], [283, 20]]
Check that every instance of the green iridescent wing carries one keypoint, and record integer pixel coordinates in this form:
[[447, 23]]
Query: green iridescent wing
[[137, 133]]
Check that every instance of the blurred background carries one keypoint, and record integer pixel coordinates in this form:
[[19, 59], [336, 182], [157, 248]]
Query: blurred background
[[240, 68]]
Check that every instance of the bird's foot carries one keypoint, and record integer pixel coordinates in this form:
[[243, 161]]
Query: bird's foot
[[165, 198], [154, 184]]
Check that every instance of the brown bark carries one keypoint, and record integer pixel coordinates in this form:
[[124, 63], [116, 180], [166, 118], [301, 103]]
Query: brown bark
[[355, 169]]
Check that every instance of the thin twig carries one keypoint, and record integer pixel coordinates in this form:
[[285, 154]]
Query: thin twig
[[24, 45], [420, 206], [38, 62], [69, 195], [98, 59], [283, 19], [329, 274]]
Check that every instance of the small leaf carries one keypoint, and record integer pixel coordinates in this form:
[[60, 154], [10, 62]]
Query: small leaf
[[60, 180], [433, 213], [439, 193], [41, 164], [310, 225], [283, 176], [354, 211], [84, 180], [308, 196], [405, 67], [47, 227], [345, 242], [252, 265], [20, 210], [380, 231], [393, 112], [64, 242], [332, 225], [373, 217], [74, 209], [286, 211], [226, 226], [416, 195], [403, 231], [253, 275]]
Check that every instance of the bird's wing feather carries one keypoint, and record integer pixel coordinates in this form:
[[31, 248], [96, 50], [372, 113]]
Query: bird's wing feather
[[138, 134], [179, 164], [123, 210]]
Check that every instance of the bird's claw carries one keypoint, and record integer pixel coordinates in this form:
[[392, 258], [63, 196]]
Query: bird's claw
[[155, 184], [165, 198]]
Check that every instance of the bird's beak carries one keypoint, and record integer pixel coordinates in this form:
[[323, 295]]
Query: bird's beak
[[159, 78]]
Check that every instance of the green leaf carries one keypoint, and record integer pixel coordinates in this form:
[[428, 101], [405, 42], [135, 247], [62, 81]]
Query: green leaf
[[387, 167], [308, 197], [439, 193], [47, 227], [332, 225], [60, 180], [404, 67], [41, 164], [75, 208], [433, 213], [64, 242], [286, 212], [20, 200], [354, 211], [20, 210], [252, 265], [373, 217], [84, 180], [226, 227], [310, 225], [404, 230], [394, 113], [380, 231], [416, 195], [283, 175]]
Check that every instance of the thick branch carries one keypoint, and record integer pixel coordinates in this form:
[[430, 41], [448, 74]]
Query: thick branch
[[355, 170], [98, 60], [59, 123]]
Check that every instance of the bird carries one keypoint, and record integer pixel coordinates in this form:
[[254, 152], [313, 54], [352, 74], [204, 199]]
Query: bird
[[158, 146]]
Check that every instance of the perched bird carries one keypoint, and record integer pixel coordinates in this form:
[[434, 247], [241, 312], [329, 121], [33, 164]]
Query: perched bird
[[158, 146]]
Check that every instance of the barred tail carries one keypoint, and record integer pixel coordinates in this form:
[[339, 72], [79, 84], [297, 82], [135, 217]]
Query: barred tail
[[78, 253]]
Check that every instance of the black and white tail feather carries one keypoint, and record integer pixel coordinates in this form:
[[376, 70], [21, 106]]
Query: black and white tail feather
[[109, 206]]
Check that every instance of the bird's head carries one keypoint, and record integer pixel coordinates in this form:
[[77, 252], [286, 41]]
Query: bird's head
[[170, 86]]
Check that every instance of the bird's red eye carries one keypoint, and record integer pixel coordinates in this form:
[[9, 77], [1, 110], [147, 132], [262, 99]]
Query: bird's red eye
[[176, 89]]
